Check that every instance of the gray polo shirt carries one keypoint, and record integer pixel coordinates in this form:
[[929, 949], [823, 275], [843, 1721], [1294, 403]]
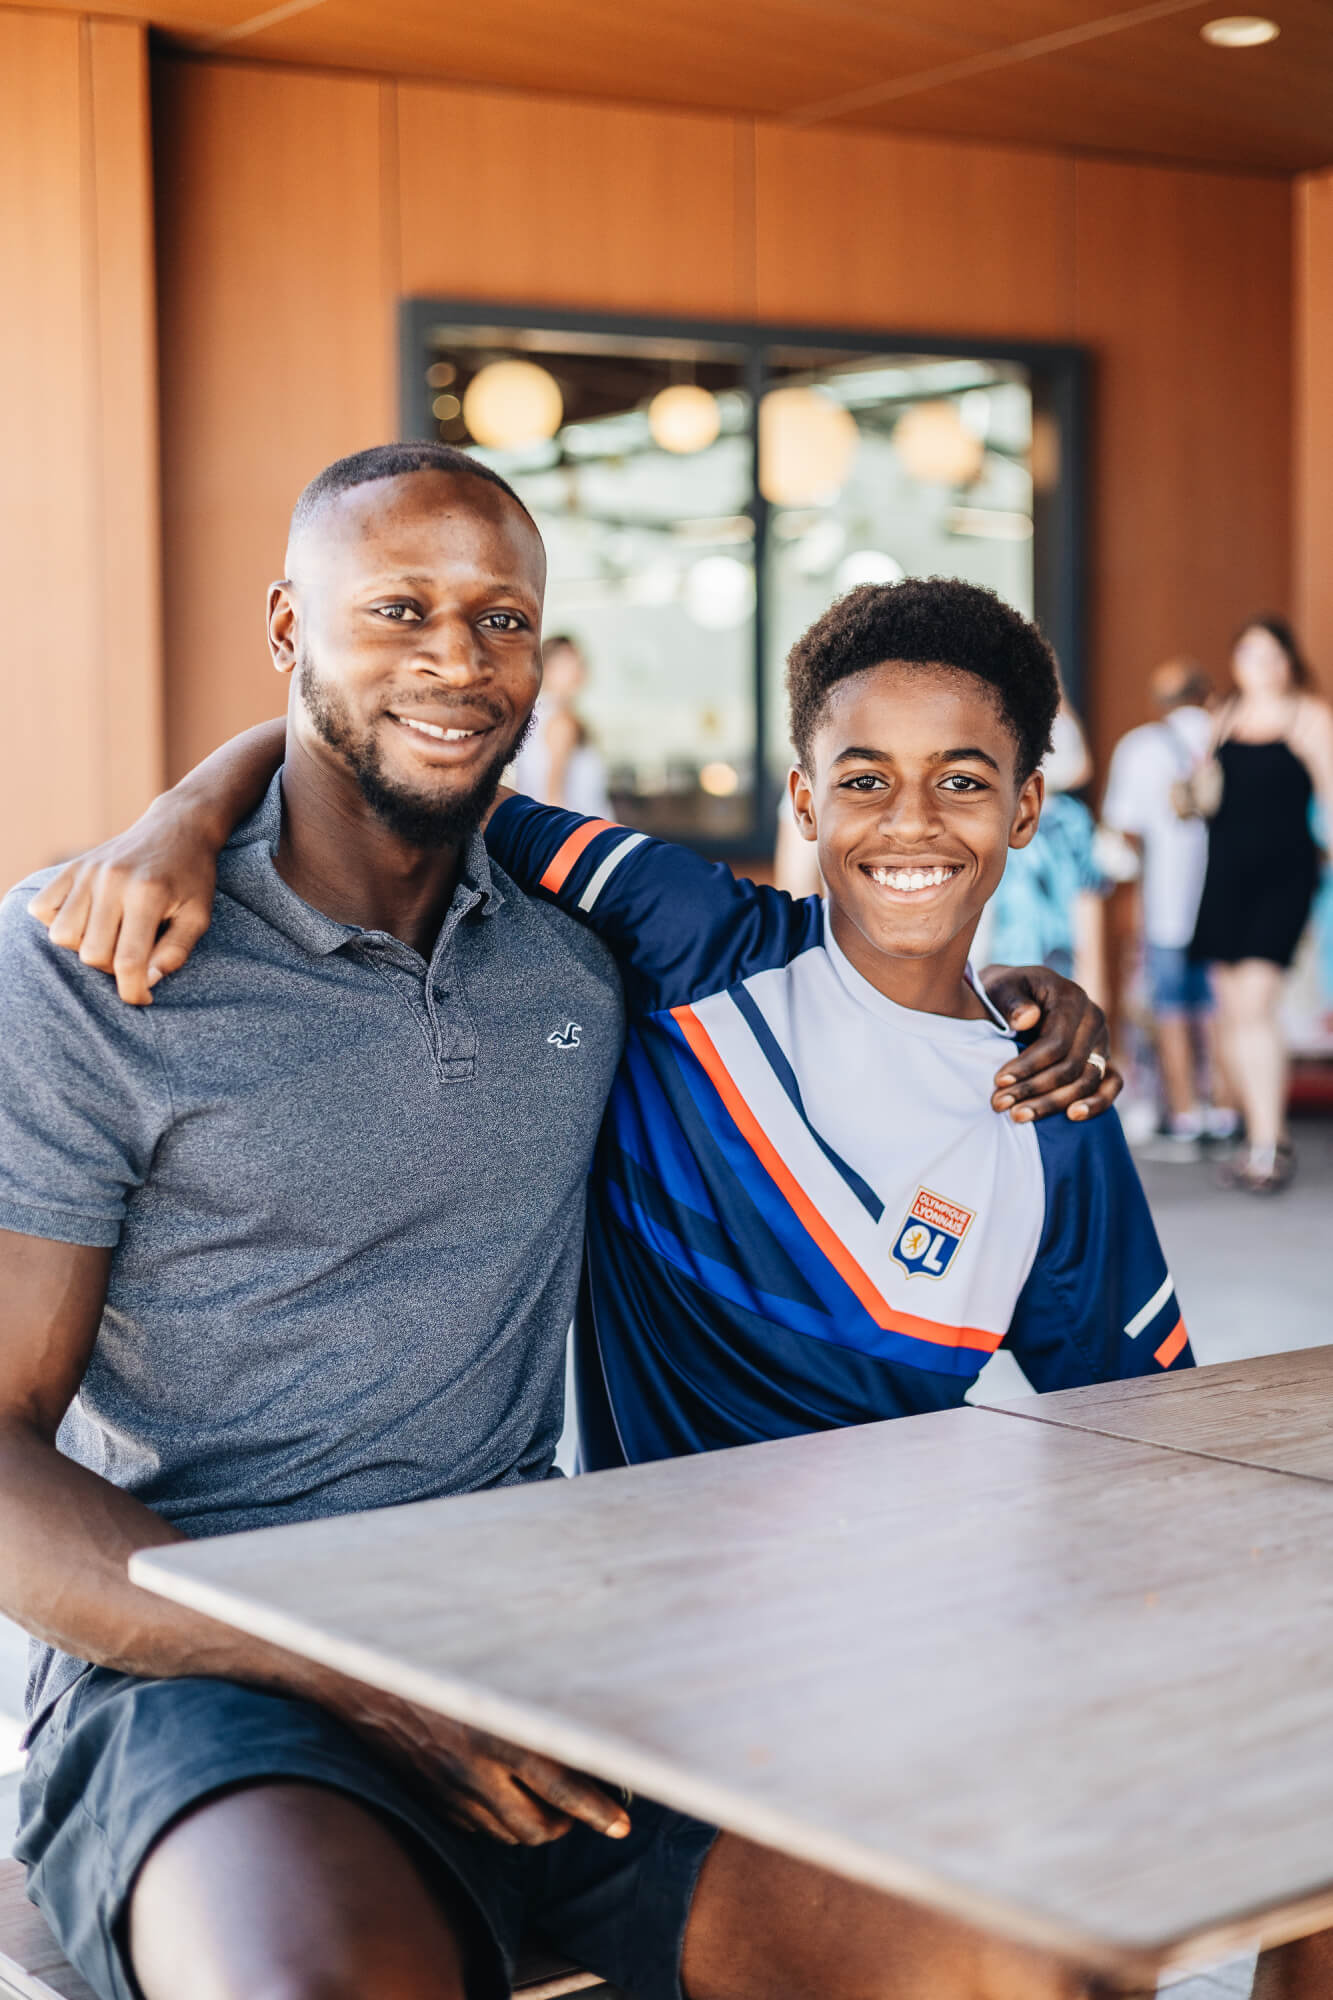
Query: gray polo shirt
[[344, 1191]]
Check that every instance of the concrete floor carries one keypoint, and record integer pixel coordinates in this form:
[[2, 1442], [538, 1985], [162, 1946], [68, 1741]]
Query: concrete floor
[[1254, 1277]]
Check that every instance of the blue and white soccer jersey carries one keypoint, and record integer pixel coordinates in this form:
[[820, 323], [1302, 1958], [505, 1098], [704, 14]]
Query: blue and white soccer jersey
[[803, 1211]]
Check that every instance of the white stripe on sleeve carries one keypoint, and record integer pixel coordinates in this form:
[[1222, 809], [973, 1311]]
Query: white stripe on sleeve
[[1148, 1313], [608, 868]]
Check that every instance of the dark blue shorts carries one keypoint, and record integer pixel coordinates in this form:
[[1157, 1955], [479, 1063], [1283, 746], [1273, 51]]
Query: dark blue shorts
[[117, 1760]]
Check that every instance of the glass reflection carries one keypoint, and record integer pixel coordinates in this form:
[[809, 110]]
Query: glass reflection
[[692, 536], [939, 484], [644, 494]]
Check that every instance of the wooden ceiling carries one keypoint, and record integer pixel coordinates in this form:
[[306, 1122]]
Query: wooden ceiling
[[1081, 74]]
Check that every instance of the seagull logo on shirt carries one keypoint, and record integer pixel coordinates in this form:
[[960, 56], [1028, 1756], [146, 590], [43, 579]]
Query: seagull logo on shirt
[[567, 1037], [930, 1235]]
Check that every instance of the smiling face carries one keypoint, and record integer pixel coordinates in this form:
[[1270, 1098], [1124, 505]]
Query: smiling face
[[914, 801], [410, 618]]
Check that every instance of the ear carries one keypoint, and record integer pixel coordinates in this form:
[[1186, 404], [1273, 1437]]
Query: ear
[[802, 802], [1027, 812], [283, 625]]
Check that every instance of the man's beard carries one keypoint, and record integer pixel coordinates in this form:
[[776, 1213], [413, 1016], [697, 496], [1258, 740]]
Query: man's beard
[[416, 817]]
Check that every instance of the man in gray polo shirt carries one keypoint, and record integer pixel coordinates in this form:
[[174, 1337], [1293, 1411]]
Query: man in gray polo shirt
[[304, 1238]]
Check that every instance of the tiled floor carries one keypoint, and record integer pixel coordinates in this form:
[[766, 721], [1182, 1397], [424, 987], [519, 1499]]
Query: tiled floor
[[1253, 1275]]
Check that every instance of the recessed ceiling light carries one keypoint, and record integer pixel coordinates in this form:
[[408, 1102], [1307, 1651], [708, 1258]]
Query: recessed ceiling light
[[1240, 31]]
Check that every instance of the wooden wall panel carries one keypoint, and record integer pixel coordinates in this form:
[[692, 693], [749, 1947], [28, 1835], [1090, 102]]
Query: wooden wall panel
[[297, 207], [78, 474], [48, 768], [573, 204], [278, 352], [1184, 299], [897, 232], [125, 387], [1314, 420]]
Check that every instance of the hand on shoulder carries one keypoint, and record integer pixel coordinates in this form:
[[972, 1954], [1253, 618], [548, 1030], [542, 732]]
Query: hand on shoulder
[[136, 906]]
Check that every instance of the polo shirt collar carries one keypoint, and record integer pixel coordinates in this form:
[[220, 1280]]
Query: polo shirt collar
[[247, 872]]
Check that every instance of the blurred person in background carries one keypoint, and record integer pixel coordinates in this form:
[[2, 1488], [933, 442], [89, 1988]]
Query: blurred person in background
[[1050, 898], [559, 763], [1272, 755], [1148, 767]]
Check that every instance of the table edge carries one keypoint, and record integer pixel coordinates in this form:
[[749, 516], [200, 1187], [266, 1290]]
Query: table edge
[[615, 1762]]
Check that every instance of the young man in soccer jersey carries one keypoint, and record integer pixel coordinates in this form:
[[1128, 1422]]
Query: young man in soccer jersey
[[803, 1212]]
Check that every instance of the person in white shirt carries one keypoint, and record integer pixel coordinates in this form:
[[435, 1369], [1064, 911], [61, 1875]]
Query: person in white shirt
[[1146, 768]]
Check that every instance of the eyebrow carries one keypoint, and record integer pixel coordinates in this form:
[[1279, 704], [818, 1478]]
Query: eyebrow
[[857, 753], [407, 579]]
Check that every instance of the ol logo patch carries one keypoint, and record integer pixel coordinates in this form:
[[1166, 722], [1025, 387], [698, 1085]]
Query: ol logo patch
[[931, 1233]]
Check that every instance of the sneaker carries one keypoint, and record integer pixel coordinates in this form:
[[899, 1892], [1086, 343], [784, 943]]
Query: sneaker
[[1220, 1124]]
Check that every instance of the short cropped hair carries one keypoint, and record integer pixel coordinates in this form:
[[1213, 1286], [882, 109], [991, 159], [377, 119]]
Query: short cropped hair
[[929, 621], [390, 461]]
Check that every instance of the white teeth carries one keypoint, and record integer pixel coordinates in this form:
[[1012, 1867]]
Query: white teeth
[[434, 729], [910, 879]]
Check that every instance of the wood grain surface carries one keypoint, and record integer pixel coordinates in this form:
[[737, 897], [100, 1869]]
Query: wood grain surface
[[1089, 75], [278, 288], [549, 205], [31, 1963], [1068, 1687], [1313, 512], [295, 210], [1275, 1411]]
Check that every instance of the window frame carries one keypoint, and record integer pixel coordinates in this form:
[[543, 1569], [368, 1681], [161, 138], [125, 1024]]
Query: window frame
[[1058, 374]]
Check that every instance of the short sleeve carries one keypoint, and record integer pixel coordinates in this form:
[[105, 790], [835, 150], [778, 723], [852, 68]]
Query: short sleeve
[[678, 925], [1099, 1304], [83, 1097]]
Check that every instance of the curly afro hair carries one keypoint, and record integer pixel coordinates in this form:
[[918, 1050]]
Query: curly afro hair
[[929, 621]]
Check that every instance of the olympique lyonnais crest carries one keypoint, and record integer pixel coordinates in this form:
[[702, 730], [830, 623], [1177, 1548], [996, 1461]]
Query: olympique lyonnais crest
[[931, 1233]]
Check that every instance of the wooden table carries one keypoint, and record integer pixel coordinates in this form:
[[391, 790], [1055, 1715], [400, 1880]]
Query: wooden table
[[1072, 1688], [1274, 1411]]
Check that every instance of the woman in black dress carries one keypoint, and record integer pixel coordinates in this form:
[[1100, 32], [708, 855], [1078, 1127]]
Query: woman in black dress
[[1274, 749]]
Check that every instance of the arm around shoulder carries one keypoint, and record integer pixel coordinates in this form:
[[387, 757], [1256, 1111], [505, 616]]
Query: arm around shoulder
[[136, 906], [678, 924]]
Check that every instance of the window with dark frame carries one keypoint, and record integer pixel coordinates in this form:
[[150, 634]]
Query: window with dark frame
[[704, 492]]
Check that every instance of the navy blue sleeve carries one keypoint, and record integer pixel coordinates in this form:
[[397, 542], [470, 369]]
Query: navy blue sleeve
[[680, 927], [1099, 1304]]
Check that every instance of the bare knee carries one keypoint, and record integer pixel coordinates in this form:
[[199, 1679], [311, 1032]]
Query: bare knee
[[289, 1892], [1254, 992]]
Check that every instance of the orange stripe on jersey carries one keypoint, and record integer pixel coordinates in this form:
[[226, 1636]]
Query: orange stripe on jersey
[[841, 1258], [557, 872], [1172, 1345]]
